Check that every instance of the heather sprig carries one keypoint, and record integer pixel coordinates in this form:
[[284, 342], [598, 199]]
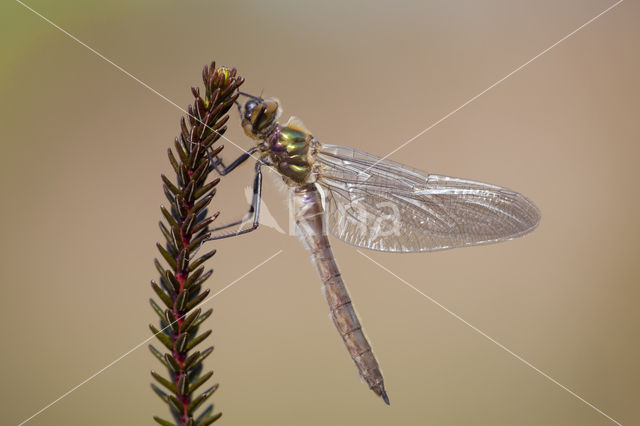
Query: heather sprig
[[185, 227]]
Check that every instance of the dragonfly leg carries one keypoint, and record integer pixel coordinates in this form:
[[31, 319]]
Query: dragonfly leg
[[222, 170], [254, 210]]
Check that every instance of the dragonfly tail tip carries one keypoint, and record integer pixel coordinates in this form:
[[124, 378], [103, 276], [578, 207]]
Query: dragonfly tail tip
[[385, 397]]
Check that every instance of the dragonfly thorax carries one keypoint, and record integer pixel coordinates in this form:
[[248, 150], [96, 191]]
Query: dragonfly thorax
[[291, 150]]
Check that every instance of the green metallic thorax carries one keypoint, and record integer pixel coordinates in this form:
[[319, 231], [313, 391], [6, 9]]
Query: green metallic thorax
[[291, 149]]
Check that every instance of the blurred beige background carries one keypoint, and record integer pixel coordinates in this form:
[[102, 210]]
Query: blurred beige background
[[83, 147]]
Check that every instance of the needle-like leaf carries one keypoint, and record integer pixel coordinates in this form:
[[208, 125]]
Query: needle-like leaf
[[201, 398], [192, 343], [202, 317], [195, 385], [164, 422], [164, 382], [201, 260]]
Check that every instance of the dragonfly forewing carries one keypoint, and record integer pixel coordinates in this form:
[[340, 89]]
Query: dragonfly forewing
[[383, 205]]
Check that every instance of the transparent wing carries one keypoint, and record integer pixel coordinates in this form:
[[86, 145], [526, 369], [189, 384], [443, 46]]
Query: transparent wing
[[382, 205]]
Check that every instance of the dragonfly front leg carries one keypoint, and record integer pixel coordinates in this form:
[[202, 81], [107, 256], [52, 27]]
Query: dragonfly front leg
[[223, 170], [254, 210]]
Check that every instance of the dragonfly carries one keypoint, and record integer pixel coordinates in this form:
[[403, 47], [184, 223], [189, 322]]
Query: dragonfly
[[368, 202]]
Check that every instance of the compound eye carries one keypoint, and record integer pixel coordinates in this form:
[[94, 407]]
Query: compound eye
[[249, 107]]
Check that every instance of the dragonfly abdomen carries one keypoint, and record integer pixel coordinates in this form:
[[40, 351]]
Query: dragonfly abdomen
[[312, 232], [346, 321]]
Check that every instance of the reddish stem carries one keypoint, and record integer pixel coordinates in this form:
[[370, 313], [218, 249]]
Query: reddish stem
[[180, 357]]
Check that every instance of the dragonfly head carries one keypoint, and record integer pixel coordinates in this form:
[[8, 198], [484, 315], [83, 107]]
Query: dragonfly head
[[259, 116]]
